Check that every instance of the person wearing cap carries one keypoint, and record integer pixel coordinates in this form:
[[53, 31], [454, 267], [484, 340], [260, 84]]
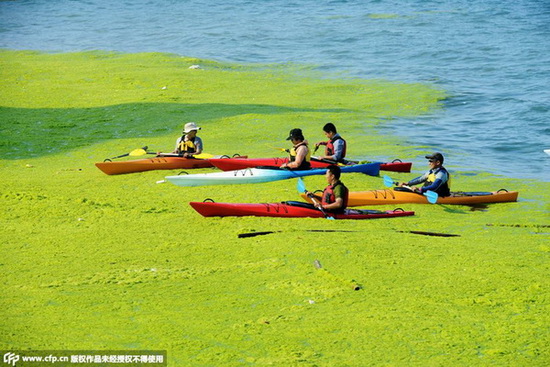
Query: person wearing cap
[[189, 144], [299, 154], [335, 195], [436, 179], [335, 147]]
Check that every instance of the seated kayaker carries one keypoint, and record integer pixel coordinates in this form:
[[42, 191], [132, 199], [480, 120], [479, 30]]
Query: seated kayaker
[[299, 154], [188, 145], [335, 148], [436, 179], [335, 195]]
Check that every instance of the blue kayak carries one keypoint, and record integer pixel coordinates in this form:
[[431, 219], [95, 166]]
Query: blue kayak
[[258, 175]]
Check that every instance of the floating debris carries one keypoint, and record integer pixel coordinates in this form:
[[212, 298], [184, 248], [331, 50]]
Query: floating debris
[[519, 225]]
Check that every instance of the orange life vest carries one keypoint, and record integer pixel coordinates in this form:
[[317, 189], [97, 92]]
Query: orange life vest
[[329, 148], [329, 197]]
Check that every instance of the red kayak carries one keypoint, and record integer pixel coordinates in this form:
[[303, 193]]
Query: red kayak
[[232, 164], [287, 209]]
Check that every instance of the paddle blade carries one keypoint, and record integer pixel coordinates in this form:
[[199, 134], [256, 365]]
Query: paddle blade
[[388, 182], [301, 186], [432, 196], [282, 149], [204, 156], [137, 152]]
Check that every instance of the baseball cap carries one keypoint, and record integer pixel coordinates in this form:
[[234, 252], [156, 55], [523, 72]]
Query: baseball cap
[[436, 156], [296, 134]]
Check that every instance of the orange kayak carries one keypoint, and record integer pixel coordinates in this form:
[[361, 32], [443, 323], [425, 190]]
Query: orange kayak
[[390, 196], [158, 163], [149, 164]]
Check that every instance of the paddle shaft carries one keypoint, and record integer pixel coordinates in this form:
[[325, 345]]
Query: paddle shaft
[[320, 207], [302, 188], [127, 154]]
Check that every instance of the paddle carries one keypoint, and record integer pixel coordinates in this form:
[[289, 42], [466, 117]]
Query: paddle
[[317, 147], [301, 186], [139, 152], [432, 196], [196, 156], [279, 149], [134, 153], [203, 156], [143, 151]]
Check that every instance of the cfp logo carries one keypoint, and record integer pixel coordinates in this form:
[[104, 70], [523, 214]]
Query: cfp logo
[[11, 358]]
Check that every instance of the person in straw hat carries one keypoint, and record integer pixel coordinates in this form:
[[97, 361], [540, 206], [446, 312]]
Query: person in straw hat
[[189, 144]]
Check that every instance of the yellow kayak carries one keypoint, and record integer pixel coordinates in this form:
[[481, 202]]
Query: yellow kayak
[[390, 196]]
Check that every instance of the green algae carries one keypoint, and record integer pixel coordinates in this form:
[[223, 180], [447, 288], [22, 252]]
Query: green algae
[[96, 98], [384, 16], [99, 262]]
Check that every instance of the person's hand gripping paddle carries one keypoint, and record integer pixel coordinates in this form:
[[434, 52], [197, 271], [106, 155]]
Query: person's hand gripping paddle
[[302, 189], [432, 196]]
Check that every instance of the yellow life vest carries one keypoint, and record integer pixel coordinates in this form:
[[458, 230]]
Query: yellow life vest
[[431, 179], [186, 146], [293, 152]]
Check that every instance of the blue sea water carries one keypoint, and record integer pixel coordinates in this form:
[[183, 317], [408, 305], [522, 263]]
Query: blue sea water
[[492, 57]]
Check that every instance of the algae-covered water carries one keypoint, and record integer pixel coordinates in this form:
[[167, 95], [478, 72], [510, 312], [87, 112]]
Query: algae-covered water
[[99, 262], [492, 57]]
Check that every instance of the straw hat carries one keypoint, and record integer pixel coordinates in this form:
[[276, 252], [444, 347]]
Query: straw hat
[[190, 126]]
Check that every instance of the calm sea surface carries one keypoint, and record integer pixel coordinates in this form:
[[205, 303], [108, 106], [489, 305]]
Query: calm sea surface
[[492, 56]]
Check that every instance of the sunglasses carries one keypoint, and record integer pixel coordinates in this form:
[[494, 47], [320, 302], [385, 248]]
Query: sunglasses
[[431, 160]]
